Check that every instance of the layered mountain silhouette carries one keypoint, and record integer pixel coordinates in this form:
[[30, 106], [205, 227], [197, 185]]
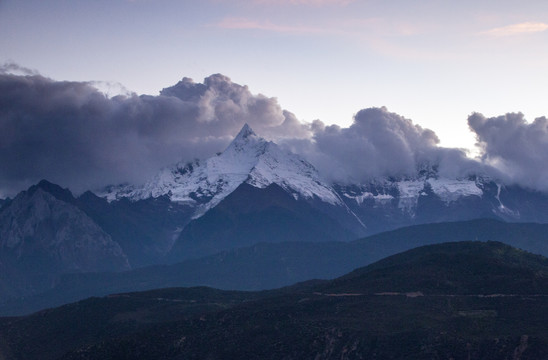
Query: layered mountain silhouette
[[465, 300], [254, 196], [271, 265]]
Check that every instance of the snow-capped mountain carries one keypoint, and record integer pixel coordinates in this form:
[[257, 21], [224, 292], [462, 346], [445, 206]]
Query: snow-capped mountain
[[248, 159], [386, 204], [379, 205], [255, 191]]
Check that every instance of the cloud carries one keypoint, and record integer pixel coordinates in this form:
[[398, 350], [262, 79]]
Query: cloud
[[15, 69], [379, 144], [248, 24], [518, 149], [517, 29], [383, 35], [306, 2], [76, 136], [111, 89], [298, 2]]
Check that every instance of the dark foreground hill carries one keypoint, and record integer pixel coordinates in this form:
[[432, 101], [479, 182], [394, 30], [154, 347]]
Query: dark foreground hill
[[269, 265], [466, 300]]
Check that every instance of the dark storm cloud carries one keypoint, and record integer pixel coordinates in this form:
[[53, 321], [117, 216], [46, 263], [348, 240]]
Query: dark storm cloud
[[74, 135], [518, 149], [378, 144]]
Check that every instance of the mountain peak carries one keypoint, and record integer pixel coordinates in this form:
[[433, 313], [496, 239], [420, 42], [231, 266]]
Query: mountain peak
[[249, 158], [53, 189], [244, 133], [246, 142]]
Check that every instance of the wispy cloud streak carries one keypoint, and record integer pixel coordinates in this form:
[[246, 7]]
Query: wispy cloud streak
[[517, 29], [305, 2], [248, 24]]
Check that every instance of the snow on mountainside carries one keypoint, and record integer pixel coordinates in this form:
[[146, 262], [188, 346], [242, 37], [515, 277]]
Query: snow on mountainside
[[249, 158], [253, 160], [407, 192], [448, 190], [452, 189]]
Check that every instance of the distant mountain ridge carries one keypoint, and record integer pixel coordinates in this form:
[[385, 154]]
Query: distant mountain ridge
[[271, 265]]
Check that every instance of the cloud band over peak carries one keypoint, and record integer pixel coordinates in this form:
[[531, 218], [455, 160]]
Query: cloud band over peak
[[74, 135], [518, 29]]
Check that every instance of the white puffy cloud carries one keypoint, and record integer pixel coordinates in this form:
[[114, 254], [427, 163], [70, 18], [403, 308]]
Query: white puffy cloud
[[518, 149], [379, 144]]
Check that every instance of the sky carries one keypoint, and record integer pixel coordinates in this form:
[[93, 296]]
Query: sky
[[463, 70]]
